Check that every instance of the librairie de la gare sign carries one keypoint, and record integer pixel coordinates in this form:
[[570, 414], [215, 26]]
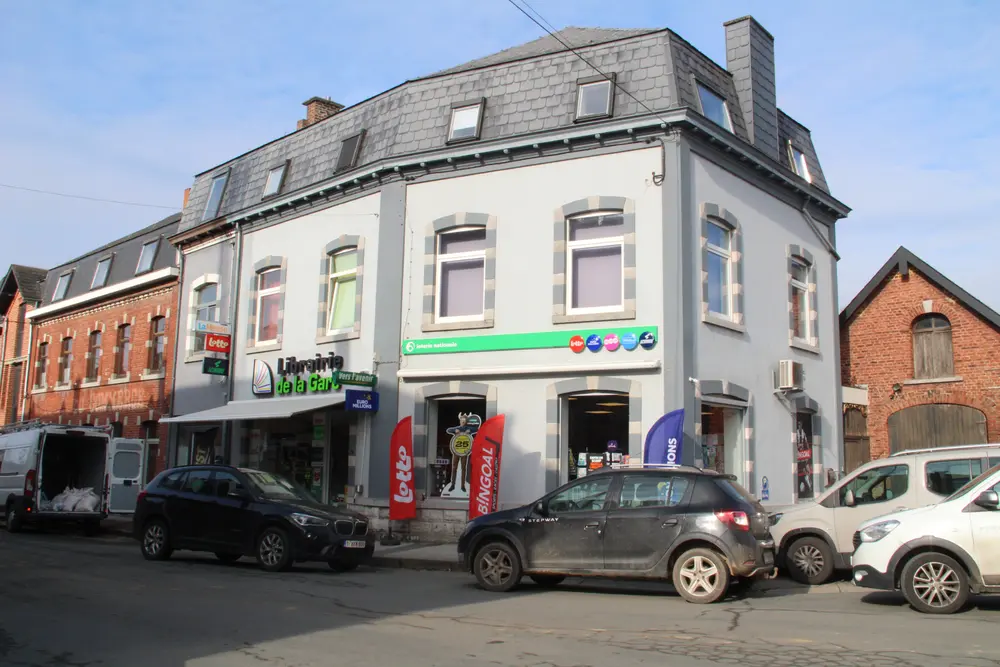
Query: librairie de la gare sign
[[290, 371]]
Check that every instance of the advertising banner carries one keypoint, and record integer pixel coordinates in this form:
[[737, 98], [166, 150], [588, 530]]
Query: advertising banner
[[665, 441], [402, 490], [487, 448]]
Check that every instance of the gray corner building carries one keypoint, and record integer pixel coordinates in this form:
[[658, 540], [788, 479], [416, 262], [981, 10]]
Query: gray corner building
[[581, 239]]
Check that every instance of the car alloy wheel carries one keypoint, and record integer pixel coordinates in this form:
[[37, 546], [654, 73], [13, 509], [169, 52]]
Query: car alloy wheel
[[272, 549], [497, 567], [701, 576], [153, 540], [936, 584]]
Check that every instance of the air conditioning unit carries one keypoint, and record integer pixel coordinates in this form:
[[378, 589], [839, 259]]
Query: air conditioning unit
[[789, 375]]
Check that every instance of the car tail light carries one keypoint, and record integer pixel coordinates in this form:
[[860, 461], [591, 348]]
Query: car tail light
[[739, 520], [142, 494], [29, 483]]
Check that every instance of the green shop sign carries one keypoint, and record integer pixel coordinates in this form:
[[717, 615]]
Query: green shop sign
[[595, 340], [316, 383]]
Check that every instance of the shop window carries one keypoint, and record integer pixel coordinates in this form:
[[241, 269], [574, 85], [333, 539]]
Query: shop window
[[804, 455], [461, 274], [597, 431], [456, 422], [123, 350], [722, 439], [268, 305], [41, 364], [94, 357], [595, 250], [877, 485], [65, 361], [343, 272], [206, 309], [932, 347], [157, 345]]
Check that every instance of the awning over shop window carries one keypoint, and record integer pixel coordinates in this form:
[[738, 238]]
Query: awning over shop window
[[264, 408]]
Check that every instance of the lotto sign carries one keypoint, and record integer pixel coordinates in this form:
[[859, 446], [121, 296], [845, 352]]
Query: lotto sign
[[576, 343], [402, 501], [218, 343]]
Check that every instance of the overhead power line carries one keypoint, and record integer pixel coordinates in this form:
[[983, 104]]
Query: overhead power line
[[97, 199]]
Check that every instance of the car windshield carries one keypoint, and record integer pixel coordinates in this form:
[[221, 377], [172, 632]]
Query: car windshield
[[276, 487], [972, 483]]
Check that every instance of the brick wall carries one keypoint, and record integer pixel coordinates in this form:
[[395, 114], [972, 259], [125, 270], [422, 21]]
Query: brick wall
[[877, 350], [135, 400], [8, 389]]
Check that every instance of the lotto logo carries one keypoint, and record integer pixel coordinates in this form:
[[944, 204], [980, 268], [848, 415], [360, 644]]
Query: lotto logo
[[217, 343]]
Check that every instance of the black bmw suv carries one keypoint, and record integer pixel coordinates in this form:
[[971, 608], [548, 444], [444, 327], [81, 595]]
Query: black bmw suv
[[235, 512], [697, 528]]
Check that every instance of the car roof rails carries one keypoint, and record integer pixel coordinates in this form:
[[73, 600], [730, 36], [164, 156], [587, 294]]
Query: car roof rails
[[651, 466], [950, 448]]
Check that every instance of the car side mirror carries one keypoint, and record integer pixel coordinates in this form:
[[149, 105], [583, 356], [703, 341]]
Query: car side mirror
[[988, 500], [849, 498], [539, 508]]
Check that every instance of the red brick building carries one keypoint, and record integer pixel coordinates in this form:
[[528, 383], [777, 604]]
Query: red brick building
[[928, 353], [103, 340], [20, 293]]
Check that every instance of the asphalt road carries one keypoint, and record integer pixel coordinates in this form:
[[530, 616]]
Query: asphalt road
[[70, 601]]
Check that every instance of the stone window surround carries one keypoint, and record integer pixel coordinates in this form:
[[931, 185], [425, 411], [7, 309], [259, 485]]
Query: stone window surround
[[447, 223], [558, 391], [806, 404], [196, 284], [269, 262], [714, 213], [116, 325], [96, 382], [724, 393], [560, 293], [41, 361], [147, 374], [343, 242], [421, 421], [795, 252], [59, 384]]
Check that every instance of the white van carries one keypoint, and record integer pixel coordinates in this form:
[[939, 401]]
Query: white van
[[40, 462], [815, 538]]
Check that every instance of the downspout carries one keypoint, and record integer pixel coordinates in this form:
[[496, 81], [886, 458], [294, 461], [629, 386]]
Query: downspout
[[237, 262], [27, 364], [174, 437]]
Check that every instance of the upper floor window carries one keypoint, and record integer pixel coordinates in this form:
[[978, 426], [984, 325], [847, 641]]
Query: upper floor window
[[147, 256], [268, 305], [157, 344], [62, 286], [65, 360], [466, 121], [801, 328], [215, 192], [275, 180], [41, 365], [123, 349], [343, 272], [94, 357], [799, 163], [595, 272], [206, 309], [350, 150], [714, 107], [932, 350], [719, 268], [594, 97], [461, 274], [101, 273]]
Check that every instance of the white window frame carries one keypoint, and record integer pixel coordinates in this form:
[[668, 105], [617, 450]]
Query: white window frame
[[799, 285], [198, 307], [60, 294], [94, 356], [261, 293], [155, 245], [477, 127], [281, 170], [580, 115], [441, 259], [334, 280], [725, 106], [801, 167], [727, 257], [222, 178], [65, 362], [107, 274], [604, 242], [41, 366]]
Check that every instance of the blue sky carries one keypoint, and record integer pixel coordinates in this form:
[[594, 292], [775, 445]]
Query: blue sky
[[128, 100]]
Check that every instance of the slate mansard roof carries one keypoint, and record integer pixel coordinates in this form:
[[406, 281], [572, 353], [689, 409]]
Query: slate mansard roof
[[124, 254], [529, 90]]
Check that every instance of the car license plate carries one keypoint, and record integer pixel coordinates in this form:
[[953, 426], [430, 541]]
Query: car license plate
[[768, 558], [354, 544]]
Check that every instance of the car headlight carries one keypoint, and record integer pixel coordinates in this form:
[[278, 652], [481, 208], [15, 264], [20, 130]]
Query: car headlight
[[775, 518], [878, 531], [308, 520]]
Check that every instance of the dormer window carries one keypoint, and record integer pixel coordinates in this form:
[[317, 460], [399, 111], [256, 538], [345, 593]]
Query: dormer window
[[215, 193], [714, 107], [147, 256], [595, 97], [275, 180], [62, 286], [350, 150], [101, 273], [799, 163], [466, 121]]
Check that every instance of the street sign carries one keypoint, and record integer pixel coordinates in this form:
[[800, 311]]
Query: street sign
[[210, 327], [218, 342], [357, 379], [361, 401], [215, 366]]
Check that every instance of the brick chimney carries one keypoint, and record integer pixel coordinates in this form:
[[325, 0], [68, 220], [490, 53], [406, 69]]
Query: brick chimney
[[318, 108], [750, 59], [187, 195]]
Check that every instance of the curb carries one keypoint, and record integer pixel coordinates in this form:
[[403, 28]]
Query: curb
[[415, 564]]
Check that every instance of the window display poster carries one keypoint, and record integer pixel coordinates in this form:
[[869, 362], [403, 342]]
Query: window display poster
[[458, 421], [804, 454]]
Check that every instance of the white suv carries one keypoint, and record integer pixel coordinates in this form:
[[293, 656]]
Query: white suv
[[815, 537], [939, 554]]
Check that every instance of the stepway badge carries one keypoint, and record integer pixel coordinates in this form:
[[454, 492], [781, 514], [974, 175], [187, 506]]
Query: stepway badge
[[630, 341], [647, 340], [594, 342]]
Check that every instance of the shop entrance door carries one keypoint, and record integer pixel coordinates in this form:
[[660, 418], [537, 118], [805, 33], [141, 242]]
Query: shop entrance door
[[722, 440], [595, 430]]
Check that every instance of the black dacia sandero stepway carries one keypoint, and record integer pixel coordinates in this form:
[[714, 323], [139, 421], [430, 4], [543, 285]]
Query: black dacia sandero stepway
[[697, 528], [235, 512]]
